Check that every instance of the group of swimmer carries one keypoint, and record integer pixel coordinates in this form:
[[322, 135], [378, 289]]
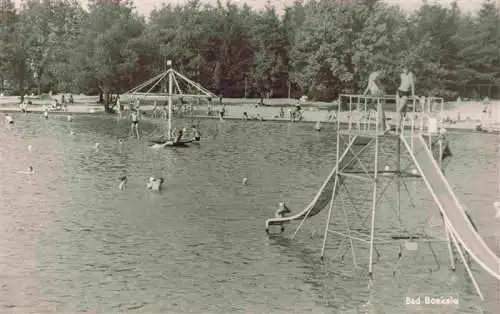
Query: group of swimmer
[[154, 184], [405, 91], [9, 120]]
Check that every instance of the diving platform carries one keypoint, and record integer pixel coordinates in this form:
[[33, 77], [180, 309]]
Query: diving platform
[[417, 148]]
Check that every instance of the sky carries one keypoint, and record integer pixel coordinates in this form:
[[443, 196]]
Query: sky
[[145, 6]]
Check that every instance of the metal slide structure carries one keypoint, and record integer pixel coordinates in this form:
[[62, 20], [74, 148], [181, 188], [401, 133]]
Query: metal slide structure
[[452, 210], [325, 193]]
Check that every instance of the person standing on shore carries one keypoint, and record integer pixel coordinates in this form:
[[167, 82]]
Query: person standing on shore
[[405, 90], [376, 89]]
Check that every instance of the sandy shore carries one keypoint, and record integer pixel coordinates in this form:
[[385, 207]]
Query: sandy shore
[[466, 114]]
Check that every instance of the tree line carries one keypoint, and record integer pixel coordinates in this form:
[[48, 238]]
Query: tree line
[[320, 48]]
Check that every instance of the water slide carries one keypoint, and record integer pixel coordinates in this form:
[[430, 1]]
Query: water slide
[[454, 213], [325, 193]]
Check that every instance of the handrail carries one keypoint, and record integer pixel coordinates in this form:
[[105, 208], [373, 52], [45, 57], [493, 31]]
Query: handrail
[[357, 113]]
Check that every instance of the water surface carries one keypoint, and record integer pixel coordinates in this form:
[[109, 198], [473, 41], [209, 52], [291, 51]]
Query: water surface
[[71, 241]]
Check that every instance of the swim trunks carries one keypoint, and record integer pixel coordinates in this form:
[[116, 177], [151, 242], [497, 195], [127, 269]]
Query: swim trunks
[[404, 93]]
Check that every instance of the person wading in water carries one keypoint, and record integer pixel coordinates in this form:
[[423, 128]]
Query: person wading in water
[[135, 123]]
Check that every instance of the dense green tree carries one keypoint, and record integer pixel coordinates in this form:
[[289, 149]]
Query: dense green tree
[[49, 26], [322, 47], [103, 54], [479, 47], [339, 45], [13, 51], [269, 68], [8, 18], [434, 48]]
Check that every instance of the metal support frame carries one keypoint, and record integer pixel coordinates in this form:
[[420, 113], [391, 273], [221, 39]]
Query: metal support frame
[[337, 163], [374, 199], [171, 75], [449, 233], [170, 92], [397, 177], [347, 164], [377, 190]]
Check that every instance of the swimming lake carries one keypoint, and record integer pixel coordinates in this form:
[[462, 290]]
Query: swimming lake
[[72, 242]]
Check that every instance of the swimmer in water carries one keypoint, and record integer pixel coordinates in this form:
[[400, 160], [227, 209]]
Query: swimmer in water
[[446, 155], [45, 112], [8, 119], [155, 184], [245, 116], [135, 123], [180, 133], [196, 134], [96, 146], [123, 182], [282, 212], [30, 171], [70, 118], [317, 127], [222, 112]]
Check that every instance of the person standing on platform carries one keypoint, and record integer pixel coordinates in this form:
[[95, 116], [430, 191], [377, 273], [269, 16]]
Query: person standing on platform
[[405, 90], [376, 89]]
